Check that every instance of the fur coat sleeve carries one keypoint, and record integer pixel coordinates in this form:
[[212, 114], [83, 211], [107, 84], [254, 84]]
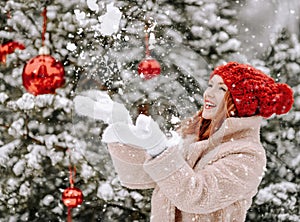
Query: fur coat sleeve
[[233, 174], [128, 162]]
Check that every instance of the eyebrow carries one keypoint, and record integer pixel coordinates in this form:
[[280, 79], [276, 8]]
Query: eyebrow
[[219, 83]]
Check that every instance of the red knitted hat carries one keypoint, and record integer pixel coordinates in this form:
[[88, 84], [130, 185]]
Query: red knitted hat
[[253, 92]]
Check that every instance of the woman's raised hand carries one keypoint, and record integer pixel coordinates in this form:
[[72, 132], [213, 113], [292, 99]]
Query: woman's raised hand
[[98, 105], [145, 134]]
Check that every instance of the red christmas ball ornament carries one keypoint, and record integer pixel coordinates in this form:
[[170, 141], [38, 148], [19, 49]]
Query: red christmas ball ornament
[[43, 74], [72, 197], [149, 68], [8, 48]]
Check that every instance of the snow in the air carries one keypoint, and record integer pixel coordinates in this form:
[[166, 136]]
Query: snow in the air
[[32, 127], [110, 20], [105, 192], [92, 4], [71, 46]]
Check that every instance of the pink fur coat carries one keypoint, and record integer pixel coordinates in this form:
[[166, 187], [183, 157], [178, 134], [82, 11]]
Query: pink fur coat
[[206, 181]]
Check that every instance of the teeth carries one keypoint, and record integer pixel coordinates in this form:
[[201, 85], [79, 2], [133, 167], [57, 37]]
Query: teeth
[[208, 104]]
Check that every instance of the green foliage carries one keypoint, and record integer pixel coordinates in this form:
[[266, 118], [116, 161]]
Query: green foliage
[[37, 133]]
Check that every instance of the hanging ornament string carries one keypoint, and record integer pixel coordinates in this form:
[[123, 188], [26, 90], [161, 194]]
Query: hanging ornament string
[[44, 14], [72, 171], [72, 196], [147, 38], [71, 180]]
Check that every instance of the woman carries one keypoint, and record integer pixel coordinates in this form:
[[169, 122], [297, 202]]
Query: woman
[[214, 173]]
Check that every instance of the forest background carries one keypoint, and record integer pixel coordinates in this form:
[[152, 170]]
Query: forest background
[[191, 38]]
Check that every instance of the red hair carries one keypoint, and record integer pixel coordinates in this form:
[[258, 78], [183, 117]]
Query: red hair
[[203, 128]]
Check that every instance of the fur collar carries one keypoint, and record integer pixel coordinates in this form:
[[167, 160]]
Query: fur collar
[[232, 129]]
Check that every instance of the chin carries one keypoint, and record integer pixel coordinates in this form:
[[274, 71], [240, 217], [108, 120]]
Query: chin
[[206, 115]]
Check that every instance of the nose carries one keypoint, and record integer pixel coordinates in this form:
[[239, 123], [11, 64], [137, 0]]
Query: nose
[[209, 93]]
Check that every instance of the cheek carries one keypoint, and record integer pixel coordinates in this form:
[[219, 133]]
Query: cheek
[[220, 97], [221, 100]]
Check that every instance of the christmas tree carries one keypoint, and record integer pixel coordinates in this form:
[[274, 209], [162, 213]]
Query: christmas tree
[[100, 45]]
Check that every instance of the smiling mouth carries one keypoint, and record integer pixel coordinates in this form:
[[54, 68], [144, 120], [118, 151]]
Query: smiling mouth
[[209, 105]]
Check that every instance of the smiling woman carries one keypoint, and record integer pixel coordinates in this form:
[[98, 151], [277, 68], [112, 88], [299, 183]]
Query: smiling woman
[[212, 176], [214, 171]]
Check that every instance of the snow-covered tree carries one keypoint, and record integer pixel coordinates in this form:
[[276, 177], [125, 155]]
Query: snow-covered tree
[[41, 136], [100, 44]]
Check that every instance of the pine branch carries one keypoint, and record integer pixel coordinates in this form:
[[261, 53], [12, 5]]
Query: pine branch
[[38, 142], [132, 209]]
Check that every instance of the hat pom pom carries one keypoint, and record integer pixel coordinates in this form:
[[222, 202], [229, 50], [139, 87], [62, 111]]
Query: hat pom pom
[[286, 100]]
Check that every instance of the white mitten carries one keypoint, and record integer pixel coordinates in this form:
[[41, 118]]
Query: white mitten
[[146, 134], [98, 105]]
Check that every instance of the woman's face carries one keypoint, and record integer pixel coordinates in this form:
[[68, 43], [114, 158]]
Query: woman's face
[[213, 97]]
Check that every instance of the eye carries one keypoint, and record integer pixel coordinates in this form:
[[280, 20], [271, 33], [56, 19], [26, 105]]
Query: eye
[[210, 85], [223, 89]]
